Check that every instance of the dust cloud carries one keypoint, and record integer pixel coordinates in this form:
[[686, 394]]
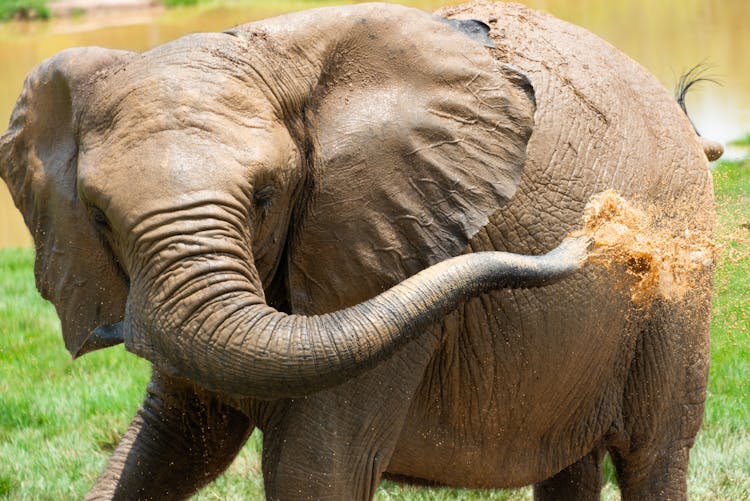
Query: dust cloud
[[659, 261]]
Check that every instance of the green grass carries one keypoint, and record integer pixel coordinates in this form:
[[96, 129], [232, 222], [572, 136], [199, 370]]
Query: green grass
[[23, 9], [175, 3], [59, 420], [720, 466], [741, 141]]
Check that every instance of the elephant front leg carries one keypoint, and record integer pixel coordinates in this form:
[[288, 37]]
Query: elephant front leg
[[580, 481], [336, 444], [178, 442]]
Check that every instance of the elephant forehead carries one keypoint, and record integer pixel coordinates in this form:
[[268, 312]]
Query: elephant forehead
[[182, 118], [187, 83], [180, 162]]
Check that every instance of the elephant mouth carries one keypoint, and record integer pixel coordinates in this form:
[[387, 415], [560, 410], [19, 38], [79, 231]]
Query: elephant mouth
[[104, 336], [108, 334]]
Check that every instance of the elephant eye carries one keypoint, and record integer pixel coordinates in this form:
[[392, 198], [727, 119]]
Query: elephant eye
[[100, 220], [263, 198]]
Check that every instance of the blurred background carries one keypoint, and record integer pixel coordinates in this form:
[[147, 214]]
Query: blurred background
[[667, 37]]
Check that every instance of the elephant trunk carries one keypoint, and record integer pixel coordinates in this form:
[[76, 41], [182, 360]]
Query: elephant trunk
[[233, 342]]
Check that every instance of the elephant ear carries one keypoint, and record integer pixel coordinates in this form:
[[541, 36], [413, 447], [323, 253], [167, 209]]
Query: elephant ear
[[417, 135], [38, 160]]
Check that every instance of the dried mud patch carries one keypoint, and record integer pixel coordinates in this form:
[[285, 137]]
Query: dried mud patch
[[659, 261]]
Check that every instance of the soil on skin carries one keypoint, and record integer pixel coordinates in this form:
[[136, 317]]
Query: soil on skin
[[661, 262]]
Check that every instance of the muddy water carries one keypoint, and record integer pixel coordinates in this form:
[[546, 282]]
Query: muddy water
[[667, 37]]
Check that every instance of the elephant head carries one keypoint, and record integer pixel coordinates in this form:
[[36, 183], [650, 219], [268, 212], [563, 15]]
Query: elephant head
[[193, 196]]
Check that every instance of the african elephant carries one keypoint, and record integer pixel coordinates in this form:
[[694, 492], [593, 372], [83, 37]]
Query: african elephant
[[265, 215]]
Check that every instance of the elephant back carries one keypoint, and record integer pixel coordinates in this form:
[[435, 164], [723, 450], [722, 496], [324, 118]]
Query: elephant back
[[602, 122]]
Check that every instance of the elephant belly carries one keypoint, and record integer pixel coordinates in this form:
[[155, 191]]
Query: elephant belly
[[525, 383]]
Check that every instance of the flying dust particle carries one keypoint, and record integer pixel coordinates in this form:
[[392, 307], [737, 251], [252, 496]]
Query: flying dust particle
[[659, 262]]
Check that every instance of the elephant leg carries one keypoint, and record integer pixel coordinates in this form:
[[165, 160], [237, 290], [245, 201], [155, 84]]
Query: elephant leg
[[580, 481], [663, 476], [336, 444], [664, 399], [179, 440]]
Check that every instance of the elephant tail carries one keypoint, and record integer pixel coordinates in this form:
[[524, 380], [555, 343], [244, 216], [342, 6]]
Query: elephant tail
[[695, 75]]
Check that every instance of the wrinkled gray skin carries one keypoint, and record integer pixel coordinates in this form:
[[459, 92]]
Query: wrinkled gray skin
[[234, 206]]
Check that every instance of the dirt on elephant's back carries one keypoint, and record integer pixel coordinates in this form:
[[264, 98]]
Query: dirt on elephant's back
[[660, 261]]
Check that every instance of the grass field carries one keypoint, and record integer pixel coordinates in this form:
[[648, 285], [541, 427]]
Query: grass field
[[59, 420], [23, 9]]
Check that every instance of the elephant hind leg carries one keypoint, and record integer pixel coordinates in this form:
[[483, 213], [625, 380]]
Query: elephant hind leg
[[580, 481], [662, 476], [664, 401]]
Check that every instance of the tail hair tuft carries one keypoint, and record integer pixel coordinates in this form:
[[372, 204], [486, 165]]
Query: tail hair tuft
[[696, 75]]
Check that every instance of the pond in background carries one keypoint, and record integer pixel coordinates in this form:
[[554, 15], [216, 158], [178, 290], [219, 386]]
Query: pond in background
[[667, 37]]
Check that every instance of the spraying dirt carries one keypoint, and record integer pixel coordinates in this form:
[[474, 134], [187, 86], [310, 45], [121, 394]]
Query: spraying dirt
[[661, 261]]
